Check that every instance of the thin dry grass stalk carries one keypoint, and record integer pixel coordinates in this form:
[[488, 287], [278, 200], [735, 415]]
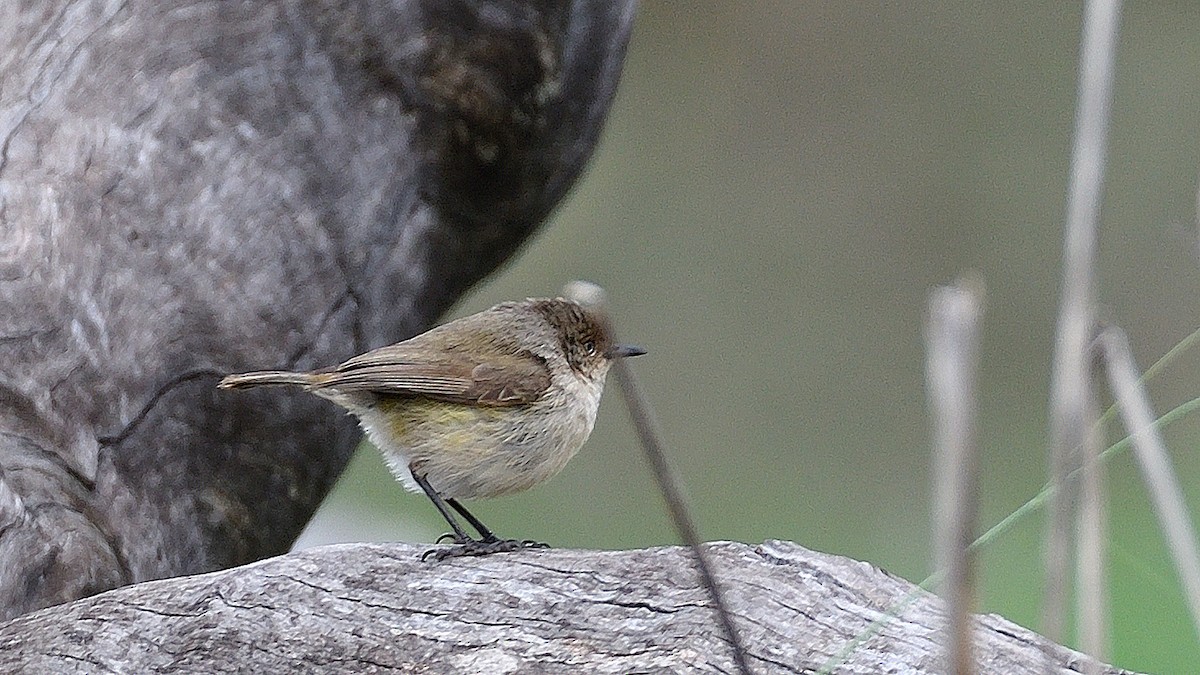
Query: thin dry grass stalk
[[1091, 598], [1071, 382], [952, 344], [1165, 493], [642, 415]]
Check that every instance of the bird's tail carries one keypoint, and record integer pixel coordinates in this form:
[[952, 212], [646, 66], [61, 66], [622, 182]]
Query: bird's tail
[[268, 377]]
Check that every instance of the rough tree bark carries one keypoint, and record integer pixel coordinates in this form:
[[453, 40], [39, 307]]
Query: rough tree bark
[[192, 188], [369, 608]]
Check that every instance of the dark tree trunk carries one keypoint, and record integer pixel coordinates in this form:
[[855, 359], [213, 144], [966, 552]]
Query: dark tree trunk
[[194, 188]]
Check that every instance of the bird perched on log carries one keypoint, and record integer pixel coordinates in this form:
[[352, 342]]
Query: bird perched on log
[[486, 405]]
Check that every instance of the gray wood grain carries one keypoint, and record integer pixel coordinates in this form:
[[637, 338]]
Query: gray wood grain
[[190, 188], [373, 608]]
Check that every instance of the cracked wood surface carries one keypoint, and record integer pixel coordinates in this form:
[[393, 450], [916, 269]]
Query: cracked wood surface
[[373, 608], [191, 188]]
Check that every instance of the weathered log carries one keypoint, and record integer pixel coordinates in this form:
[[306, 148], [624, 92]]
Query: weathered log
[[193, 188], [370, 608]]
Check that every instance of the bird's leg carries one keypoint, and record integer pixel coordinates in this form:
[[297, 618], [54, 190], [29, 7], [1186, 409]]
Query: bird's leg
[[484, 532], [490, 543], [460, 535], [465, 545]]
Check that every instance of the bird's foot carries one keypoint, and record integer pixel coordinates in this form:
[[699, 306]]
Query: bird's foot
[[472, 547]]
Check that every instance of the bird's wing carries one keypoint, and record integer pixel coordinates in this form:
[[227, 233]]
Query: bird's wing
[[491, 379]]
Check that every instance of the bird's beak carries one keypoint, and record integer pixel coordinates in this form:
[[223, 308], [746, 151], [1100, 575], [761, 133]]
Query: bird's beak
[[623, 351]]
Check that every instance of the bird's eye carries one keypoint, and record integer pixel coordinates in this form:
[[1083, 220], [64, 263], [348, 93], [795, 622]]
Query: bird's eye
[[590, 348]]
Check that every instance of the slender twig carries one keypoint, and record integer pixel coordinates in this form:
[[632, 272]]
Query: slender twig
[[952, 337], [669, 483], [163, 389], [1070, 380], [1155, 463]]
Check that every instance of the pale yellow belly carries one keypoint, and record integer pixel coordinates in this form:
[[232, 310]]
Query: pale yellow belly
[[467, 451]]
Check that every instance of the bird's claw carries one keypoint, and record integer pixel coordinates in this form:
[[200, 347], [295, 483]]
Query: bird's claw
[[472, 548]]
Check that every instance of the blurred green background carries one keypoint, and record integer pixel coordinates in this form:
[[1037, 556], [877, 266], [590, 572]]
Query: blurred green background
[[779, 186]]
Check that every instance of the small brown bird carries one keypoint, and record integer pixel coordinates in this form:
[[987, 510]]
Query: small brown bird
[[485, 405]]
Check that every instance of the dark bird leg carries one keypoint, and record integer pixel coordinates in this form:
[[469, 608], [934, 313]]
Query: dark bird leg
[[488, 536], [460, 535], [484, 532], [466, 546]]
